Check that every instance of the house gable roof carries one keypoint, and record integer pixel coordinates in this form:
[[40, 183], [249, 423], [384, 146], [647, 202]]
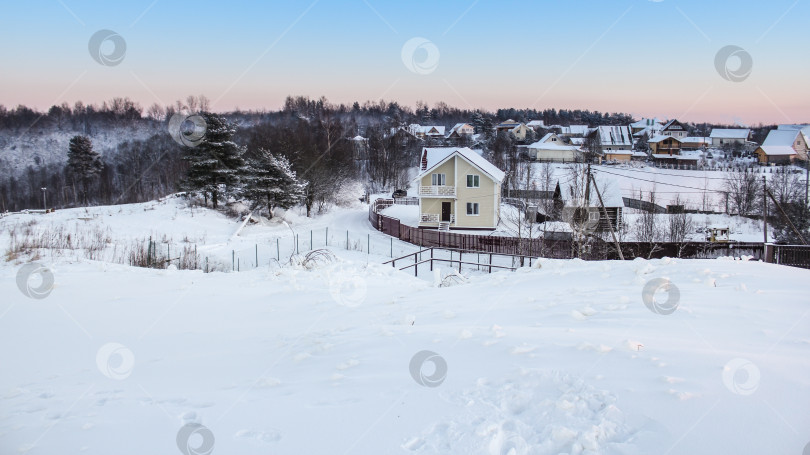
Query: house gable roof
[[781, 137], [730, 133], [614, 135], [661, 137], [438, 155]]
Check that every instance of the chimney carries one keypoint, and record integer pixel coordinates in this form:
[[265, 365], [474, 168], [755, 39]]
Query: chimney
[[424, 160]]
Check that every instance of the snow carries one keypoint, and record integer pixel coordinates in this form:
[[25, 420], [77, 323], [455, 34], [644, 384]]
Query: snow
[[726, 133], [784, 138], [563, 357], [437, 155]]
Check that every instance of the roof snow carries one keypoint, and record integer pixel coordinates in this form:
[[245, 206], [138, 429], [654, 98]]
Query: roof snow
[[781, 150], [647, 122], [615, 135], [781, 137], [705, 140], [661, 137], [437, 155], [533, 123], [725, 133]]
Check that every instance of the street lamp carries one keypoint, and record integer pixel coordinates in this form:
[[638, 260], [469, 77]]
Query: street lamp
[[44, 204]]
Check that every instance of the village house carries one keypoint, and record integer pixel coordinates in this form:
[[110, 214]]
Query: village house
[[649, 126], [461, 131], [553, 148], [518, 130], [695, 142], [731, 136], [775, 154], [612, 138], [792, 138], [664, 145], [536, 124], [458, 189], [428, 132], [674, 128]]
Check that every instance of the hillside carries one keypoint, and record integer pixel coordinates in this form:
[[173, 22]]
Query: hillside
[[564, 357]]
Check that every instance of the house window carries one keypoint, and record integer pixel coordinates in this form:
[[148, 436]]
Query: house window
[[472, 208], [438, 179], [473, 181]]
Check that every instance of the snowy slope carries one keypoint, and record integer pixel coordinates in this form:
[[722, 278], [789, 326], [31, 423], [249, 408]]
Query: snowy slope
[[565, 358]]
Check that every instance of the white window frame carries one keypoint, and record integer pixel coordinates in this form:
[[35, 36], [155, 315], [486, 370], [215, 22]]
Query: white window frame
[[473, 207], [475, 179], [438, 179]]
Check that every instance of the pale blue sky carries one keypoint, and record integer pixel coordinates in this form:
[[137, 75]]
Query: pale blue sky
[[638, 56]]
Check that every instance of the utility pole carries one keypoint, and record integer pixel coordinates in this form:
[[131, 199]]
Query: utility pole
[[764, 210], [806, 180], [588, 186]]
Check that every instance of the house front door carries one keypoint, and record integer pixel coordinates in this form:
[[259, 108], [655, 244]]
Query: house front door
[[446, 211]]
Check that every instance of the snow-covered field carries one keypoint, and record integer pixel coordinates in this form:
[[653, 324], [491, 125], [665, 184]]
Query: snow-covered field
[[570, 357], [699, 189]]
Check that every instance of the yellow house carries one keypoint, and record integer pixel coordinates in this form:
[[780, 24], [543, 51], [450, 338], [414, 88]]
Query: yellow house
[[458, 189]]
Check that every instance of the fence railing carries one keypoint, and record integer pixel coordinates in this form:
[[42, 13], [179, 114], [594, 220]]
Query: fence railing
[[437, 190], [592, 248], [792, 255]]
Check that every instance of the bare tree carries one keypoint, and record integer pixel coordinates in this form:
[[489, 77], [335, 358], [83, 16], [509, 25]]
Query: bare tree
[[680, 225], [742, 188], [648, 230]]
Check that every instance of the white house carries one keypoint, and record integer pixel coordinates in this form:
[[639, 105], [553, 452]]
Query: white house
[[722, 136], [553, 148], [458, 189]]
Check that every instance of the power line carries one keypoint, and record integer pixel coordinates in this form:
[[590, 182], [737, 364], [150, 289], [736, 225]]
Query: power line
[[665, 184], [672, 175]]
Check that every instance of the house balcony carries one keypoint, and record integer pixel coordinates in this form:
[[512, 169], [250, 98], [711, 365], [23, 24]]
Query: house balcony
[[434, 218], [438, 191]]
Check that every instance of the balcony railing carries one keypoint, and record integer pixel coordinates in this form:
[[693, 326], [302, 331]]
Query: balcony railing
[[434, 218], [437, 190]]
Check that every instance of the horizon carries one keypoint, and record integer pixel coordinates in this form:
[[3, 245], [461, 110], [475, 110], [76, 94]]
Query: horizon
[[575, 55]]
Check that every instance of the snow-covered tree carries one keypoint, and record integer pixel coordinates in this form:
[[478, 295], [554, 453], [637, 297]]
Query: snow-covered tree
[[216, 164], [269, 181], [84, 164]]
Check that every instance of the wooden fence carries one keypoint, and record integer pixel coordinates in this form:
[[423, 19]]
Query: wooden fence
[[594, 249]]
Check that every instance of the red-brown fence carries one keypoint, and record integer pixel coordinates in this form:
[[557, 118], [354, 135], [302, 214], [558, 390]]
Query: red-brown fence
[[594, 249]]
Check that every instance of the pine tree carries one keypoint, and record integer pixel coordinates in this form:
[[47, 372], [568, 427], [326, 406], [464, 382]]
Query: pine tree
[[84, 164], [269, 181], [216, 164]]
